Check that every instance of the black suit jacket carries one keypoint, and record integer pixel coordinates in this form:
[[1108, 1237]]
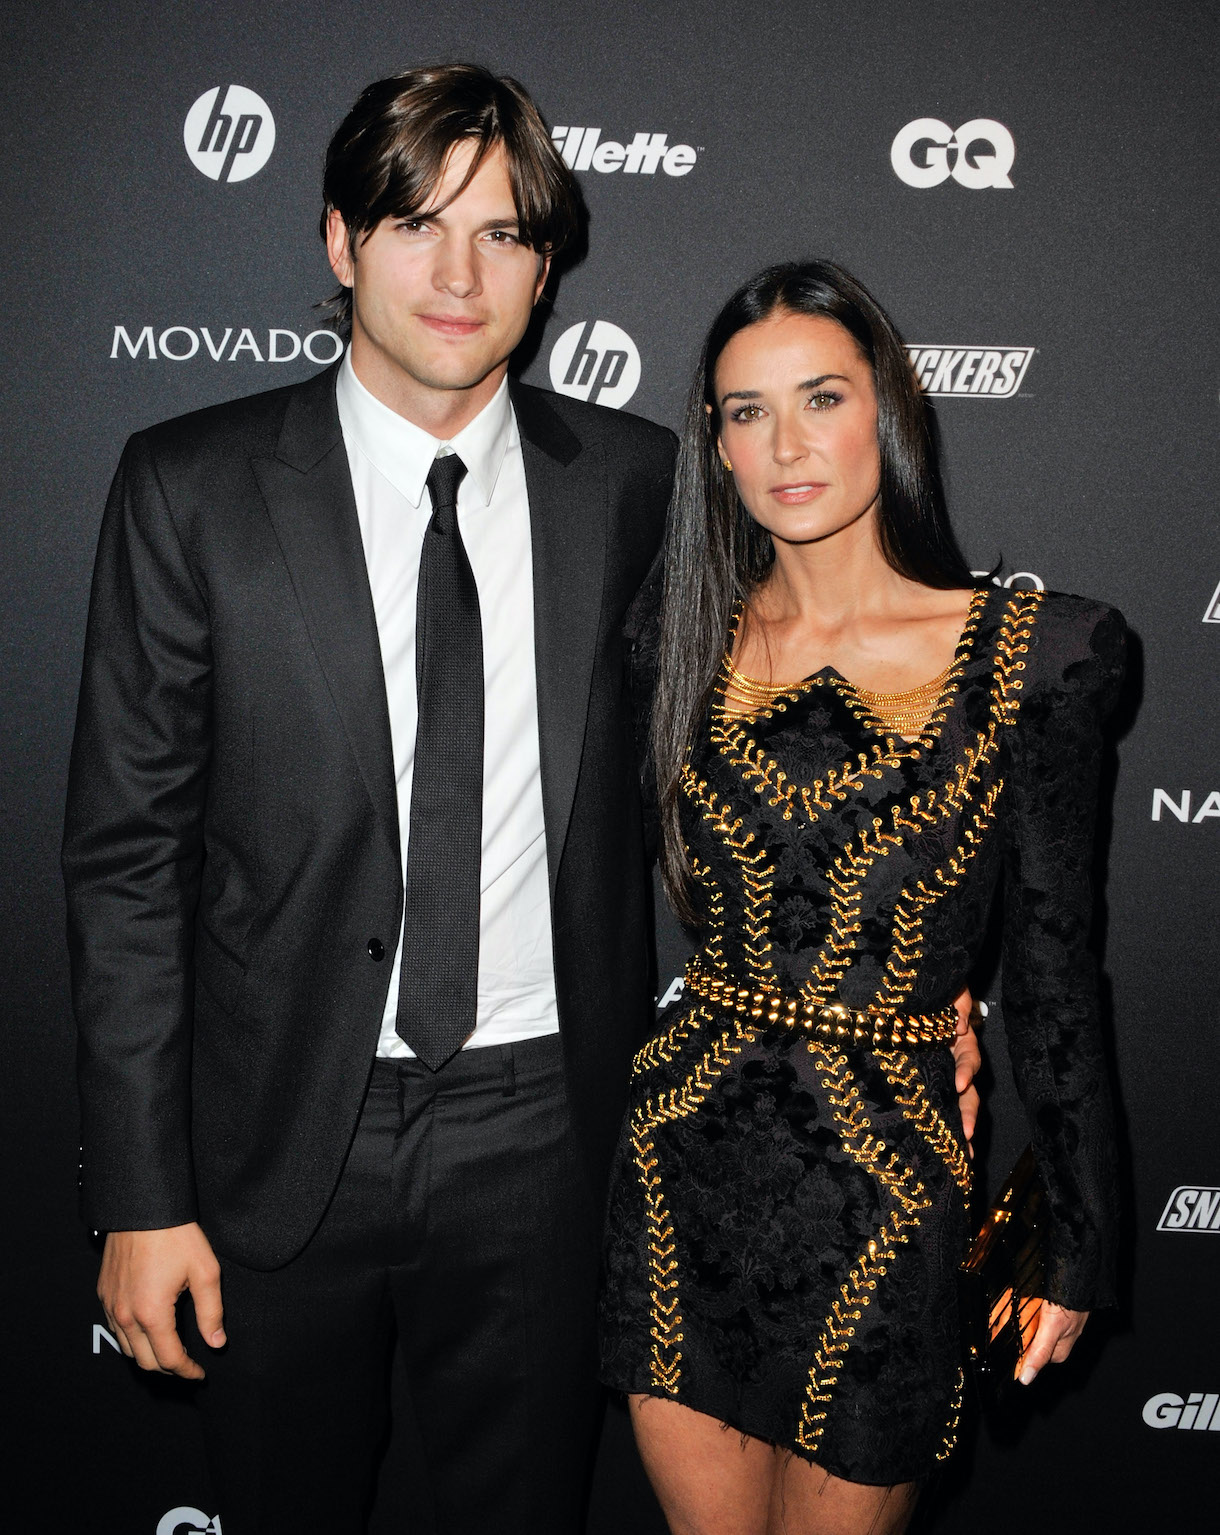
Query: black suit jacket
[[232, 847]]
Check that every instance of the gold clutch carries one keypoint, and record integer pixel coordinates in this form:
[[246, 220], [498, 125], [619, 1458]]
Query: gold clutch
[[1001, 1281]]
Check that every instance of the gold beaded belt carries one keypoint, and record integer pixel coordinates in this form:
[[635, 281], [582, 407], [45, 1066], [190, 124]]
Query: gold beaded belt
[[828, 1020]]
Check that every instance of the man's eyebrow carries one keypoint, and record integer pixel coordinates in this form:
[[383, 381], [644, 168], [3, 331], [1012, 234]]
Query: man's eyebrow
[[808, 383], [431, 215]]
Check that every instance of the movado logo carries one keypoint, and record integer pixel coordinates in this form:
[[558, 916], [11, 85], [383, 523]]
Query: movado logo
[[188, 1521], [229, 133], [1168, 1410], [229, 343], [978, 155], [583, 149], [1212, 616], [596, 361], [1191, 1208], [978, 372]]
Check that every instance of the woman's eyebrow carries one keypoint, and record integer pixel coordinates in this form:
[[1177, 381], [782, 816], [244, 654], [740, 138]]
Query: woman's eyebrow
[[808, 383]]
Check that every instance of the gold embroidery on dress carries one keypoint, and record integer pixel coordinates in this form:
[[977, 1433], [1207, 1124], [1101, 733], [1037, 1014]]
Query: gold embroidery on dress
[[911, 1095], [912, 905], [666, 1330], [851, 867], [764, 773], [955, 1413], [713, 944], [757, 875], [846, 876], [677, 1103], [664, 1046], [907, 1192]]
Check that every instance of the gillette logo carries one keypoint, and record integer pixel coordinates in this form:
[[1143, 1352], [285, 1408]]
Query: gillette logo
[[584, 149]]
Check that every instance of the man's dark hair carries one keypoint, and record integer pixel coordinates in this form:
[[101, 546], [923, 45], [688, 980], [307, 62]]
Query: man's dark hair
[[388, 155], [716, 555]]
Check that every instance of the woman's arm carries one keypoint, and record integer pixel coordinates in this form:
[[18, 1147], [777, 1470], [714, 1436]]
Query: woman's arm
[[1071, 680]]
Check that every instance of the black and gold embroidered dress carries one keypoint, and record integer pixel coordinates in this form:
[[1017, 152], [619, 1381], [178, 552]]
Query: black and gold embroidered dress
[[789, 1203]]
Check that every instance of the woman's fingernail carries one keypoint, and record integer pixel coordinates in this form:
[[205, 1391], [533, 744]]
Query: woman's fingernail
[[1028, 1375]]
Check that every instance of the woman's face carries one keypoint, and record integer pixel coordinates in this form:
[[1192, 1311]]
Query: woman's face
[[798, 414]]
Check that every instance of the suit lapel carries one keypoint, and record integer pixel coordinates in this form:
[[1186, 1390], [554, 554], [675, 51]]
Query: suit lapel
[[566, 483], [308, 490]]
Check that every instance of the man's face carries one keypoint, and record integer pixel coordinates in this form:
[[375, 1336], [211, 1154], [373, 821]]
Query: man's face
[[439, 301]]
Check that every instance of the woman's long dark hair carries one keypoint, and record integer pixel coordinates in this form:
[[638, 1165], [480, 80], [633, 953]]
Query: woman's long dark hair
[[715, 552]]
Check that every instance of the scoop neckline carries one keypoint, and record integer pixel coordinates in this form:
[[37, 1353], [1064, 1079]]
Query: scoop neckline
[[962, 652]]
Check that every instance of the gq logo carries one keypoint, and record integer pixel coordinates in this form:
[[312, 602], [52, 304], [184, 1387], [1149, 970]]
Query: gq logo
[[596, 361], [979, 155], [229, 133], [187, 1521]]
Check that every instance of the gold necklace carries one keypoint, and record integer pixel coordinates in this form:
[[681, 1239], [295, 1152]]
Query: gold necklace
[[905, 714], [756, 693]]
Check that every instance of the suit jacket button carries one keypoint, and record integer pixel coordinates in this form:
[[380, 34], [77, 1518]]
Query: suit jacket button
[[376, 949]]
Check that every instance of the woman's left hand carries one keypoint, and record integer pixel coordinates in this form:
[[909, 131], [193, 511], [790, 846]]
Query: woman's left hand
[[1058, 1329], [967, 1059]]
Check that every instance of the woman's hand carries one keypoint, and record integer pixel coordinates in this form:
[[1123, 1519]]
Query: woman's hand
[[1058, 1329], [967, 1059]]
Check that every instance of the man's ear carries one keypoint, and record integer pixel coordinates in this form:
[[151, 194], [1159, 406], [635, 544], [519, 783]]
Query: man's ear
[[339, 248], [544, 271]]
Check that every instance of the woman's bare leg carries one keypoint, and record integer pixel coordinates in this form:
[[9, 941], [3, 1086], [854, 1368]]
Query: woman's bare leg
[[709, 1480], [806, 1500], [712, 1480]]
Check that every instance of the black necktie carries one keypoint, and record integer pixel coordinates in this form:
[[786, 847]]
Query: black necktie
[[438, 989]]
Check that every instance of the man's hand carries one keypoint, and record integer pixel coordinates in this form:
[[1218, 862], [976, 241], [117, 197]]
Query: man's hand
[[143, 1274], [967, 1059], [1058, 1329]]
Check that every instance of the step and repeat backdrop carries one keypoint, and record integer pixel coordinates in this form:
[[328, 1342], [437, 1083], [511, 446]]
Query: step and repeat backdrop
[[1026, 186]]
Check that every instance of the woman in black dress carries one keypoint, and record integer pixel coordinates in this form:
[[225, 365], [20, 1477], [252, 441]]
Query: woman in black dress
[[854, 745]]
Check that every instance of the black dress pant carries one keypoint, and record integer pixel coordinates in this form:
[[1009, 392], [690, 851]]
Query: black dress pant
[[465, 1231]]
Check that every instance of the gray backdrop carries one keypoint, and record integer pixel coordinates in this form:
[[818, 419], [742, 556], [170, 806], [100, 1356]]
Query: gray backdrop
[[1086, 265]]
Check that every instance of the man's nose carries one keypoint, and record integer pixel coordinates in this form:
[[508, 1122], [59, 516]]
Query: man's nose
[[456, 269]]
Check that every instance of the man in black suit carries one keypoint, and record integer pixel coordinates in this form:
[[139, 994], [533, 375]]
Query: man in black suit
[[358, 1115]]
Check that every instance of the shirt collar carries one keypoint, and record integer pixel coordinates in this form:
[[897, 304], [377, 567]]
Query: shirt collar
[[403, 452]]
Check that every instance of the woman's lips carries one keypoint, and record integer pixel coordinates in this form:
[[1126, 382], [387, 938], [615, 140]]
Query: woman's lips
[[794, 495]]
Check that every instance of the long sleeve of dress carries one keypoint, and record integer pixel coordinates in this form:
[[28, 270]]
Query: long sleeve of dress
[[1049, 994]]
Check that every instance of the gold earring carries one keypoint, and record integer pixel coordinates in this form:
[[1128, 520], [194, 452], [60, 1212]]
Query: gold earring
[[727, 465]]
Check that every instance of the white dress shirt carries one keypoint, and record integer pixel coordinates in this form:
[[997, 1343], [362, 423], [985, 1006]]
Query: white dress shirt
[[390, 459]]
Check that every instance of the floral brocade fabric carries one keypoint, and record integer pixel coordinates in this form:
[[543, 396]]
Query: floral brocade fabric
[[789, 1207]]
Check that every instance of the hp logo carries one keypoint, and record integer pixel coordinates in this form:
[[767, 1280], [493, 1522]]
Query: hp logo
[[229, 133], [596, 361]]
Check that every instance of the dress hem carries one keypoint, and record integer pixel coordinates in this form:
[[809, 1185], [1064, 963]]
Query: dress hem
[[786, 1446]]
